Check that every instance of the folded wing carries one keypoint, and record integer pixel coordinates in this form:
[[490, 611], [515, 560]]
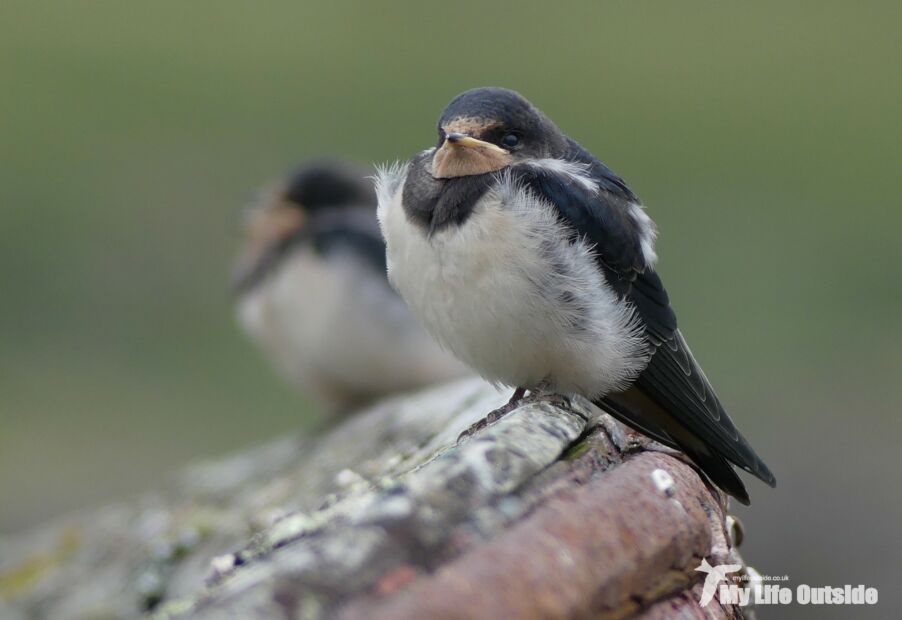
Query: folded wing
[[671, 400]]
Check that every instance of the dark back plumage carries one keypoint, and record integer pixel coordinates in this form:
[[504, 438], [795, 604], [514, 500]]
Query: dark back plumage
[[327, 183]]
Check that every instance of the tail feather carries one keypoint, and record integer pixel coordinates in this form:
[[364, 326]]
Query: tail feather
[[638, 411], [719, 470]]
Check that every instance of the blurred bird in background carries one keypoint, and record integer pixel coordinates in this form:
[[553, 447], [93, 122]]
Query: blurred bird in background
[[311, 291], [535, 264]]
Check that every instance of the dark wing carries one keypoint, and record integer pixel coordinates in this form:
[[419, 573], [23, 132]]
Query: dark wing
[[671, 399], [675, 382], [602, 217]]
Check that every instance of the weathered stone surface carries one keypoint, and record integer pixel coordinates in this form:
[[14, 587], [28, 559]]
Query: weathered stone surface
[[554, 511]]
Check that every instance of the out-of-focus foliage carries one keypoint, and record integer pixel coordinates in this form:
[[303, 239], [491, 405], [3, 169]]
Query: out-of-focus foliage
[[764, 137]]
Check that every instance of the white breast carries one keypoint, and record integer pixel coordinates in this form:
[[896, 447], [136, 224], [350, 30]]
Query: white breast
[[510, 295], [334, 327]]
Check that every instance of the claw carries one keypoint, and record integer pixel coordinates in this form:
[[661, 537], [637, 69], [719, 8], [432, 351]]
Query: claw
[[494, 415], [515, 401]]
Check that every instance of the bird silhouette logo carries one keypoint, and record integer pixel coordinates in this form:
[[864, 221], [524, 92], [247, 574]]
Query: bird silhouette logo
[[715, 574]]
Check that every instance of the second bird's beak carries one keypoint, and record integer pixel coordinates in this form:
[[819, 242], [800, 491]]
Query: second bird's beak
[[462, 155], [266, 225]]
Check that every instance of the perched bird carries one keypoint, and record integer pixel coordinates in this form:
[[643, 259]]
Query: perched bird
[[534, 263], [312, 291]]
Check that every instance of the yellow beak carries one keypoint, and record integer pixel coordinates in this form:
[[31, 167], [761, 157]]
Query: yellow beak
[[462, 139], [461, 155]]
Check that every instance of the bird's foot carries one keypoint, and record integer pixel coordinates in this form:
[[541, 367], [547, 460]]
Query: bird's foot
[[542, 393], [495, 414], [558, 400]]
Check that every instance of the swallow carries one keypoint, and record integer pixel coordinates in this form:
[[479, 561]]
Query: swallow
[[534, 264], [311, 290]]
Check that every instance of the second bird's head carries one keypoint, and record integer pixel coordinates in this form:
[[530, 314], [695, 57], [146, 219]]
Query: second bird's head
[[283, 212], [484, 130]]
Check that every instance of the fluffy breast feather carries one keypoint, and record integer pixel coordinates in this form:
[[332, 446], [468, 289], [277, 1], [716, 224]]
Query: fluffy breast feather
[[510, 295], [334, 327]]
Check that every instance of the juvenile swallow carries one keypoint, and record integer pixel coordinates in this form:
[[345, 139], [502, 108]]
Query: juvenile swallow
[[534, 264], [312, 291]]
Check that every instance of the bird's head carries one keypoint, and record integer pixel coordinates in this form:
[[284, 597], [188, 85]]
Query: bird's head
[[312, 188], [487, 129], [284, 209]]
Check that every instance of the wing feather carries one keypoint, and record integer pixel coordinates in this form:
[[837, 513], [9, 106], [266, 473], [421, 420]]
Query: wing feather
[[673, 380]]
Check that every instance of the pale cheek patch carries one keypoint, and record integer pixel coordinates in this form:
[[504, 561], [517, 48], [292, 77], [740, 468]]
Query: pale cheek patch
[[575, 171], [271, 217], [647, 233]]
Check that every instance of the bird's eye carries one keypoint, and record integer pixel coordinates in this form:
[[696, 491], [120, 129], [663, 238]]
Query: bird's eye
[[510, 140]]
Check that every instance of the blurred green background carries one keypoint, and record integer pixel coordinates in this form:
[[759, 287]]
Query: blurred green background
[[765, 138]]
